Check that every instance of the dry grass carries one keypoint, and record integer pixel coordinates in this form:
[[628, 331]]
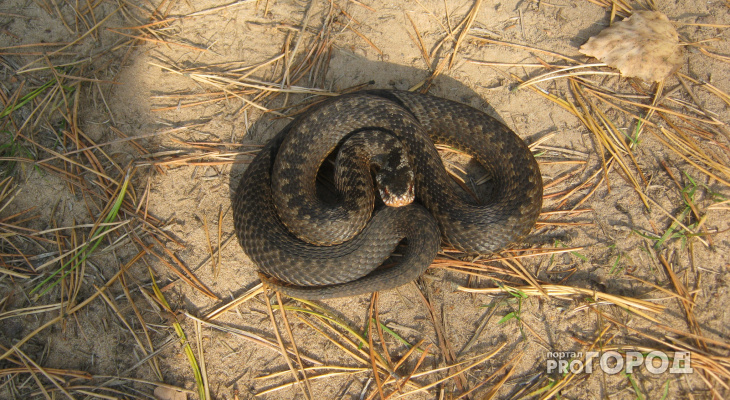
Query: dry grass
[[54, 263], [119, 220]]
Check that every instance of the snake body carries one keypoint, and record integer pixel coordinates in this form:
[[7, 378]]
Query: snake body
[[309, 248]]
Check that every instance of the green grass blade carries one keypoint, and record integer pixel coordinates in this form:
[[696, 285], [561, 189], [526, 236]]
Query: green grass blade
[[25, 99], [87, 250], [183, 339]]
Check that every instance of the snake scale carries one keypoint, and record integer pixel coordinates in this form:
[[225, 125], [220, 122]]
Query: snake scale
[[298, 240]]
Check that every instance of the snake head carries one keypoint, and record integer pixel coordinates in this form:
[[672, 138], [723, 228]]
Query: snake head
[[396, 180]]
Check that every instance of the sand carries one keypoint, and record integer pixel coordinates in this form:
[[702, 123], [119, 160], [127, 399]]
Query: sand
[[161, 93]]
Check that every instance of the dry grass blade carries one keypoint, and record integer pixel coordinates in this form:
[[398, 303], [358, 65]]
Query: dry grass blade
[[363, 37], [515, 268], [249, 336], [284, 354], [560, 74], [35, 367], [514, 361], [606, 132], [6, 271], [348, 371], [327, 318], [234, 303], [153, 363], [181, 158], [184, 272], [421, 46], [407, 379], [373, 363], [55, 373], [468, 22], [285, 319], [723, 205], [158, 41], [687, 303], [76, 308], [524, 47], [19, 312], [232, 86], [458, 373], [26, 69], [187, 349], [678, 146], [570, 376], [637, 306], [689, 231], [213, 266], [355, 355], [47, 121], [590, 122], [109, 214], [715, 366], [519, 269], [220, 241], [606, 97], [344, 370], [121, 318], [201, 357], [443, 342]]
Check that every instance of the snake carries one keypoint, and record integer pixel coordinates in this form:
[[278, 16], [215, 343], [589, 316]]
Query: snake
[[311, 247]]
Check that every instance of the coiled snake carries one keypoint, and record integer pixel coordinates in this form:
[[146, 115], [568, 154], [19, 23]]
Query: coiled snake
[[298, 240]]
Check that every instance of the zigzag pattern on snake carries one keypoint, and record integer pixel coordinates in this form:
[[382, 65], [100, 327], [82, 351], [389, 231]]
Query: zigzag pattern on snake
[[277, 195]]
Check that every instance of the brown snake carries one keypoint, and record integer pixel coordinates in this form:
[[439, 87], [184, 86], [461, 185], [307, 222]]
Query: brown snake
[[279, 185]]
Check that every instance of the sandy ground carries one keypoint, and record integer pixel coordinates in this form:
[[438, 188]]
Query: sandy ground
[[374, 43]]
